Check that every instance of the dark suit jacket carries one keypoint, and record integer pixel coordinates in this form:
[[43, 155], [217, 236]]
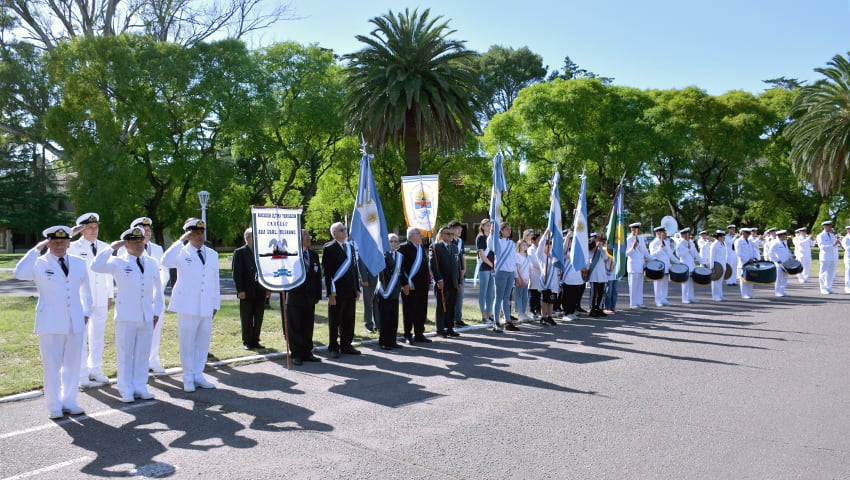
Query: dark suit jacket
[[386, 275], [422, 279], [245, 273], [333, 256], [309, 292], [444, 265]]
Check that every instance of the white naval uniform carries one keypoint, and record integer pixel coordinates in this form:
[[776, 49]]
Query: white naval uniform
[[154, 250], [636, 257], [102, 291], [731, 256], [779, 253], [803, 252], [828, 260], [195, 299], [845, 243], [746, 251], [139, 300], [64, 302], [717, 254], [660, 250], [688, 254]]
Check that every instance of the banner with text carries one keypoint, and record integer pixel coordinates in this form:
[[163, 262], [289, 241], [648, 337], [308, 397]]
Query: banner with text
[[277, 247]]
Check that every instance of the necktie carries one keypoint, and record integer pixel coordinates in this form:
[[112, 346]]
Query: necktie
[[63, 265], [201, 256], [93, 249], [139, 263]]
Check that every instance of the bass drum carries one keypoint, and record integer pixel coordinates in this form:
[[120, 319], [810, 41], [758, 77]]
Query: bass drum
[[702, 275], [728, 273], [655, 269], [793, 266], [679, 273], [717, 272], [760, 272]]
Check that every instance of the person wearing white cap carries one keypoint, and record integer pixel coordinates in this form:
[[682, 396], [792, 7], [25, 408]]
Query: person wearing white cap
[[717, 254], [102, 291], [688, 254], [702, 241], [660, 250], [153, 250], [747, 253], [828, 244], [636, 257], [731, 257], [845, 243], [803, 244], [195, 298], [779, 253], [138, 308], [769, 238], [63, 309]]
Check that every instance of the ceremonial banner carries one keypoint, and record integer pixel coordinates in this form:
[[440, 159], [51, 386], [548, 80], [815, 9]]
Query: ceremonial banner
[[578, 250], [368, 224], [500, 185], [615, 233], [277, 247], [554, 225], [420, 194]]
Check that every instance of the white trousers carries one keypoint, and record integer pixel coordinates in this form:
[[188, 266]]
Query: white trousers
[[717, 289], [193, 334], [781, 282], [132, 348], [635, 289], [92, 350], [827, 275], [660, 288], [746, 288], [60, 364], [846, 273], [803, 277], [153, 360], [688, 290]]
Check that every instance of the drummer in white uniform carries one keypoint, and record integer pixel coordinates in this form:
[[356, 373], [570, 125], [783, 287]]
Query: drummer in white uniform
[[845, 243], [747, 253], [636, 257], [828, 245], [661, 251], [688, 255], [779, 253], [803, 244], [717, 254]]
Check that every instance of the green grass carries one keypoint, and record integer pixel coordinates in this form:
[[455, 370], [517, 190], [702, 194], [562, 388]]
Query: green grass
[[20, 364], [8, 260]]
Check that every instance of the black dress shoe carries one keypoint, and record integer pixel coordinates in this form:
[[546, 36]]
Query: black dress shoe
[[581, 310], [312, 358], [297, 361], [511, 327], [258, 346], [396, 345], [460, 323], [452, 333], [422, 338], [334, 354], [385, 347], [443, 334], [350, 351]]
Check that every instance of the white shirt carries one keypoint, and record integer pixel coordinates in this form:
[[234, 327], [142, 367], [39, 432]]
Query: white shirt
[[102, 287], [828, 249]]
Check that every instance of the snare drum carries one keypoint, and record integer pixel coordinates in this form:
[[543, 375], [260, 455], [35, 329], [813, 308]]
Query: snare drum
[[702, 275], [793, 266], [655, 269], [679, 273], [760, 272]]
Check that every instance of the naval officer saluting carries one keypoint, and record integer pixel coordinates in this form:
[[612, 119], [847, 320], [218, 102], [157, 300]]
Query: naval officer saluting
[[154, 250], [195, 298], [139, 306], [63, 309]]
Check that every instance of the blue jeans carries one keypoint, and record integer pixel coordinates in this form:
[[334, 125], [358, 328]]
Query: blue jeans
[[521, 299], [504, 285], [459, 302], [611, 294], [486, 290]]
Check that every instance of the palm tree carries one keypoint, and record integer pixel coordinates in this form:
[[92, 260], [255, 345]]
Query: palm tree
[[411, 86], [820, 128]]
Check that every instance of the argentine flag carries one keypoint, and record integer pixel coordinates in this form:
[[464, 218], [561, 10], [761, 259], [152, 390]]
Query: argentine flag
[[578, 249], [554, 225], [500, 185], [368, 225]]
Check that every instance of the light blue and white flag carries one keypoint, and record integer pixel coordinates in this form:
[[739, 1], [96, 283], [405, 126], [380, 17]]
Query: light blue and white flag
[[368, 225], [500, 185], [578, 249], [554, 226]]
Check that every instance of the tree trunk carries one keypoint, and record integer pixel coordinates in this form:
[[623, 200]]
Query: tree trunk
[[411, 145]]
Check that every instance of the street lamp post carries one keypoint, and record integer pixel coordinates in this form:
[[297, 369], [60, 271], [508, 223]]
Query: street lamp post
[[204, 197]]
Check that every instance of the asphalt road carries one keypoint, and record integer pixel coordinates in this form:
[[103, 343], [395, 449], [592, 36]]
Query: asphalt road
[[738, 390]]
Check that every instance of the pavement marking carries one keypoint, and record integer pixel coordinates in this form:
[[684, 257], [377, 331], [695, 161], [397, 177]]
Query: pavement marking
[[49, 468], [78, 419]]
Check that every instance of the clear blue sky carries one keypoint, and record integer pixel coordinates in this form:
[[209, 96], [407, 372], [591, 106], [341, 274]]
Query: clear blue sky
[[717, 45]]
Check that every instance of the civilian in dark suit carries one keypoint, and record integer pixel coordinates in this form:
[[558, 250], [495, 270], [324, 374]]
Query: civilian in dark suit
[[415, 281], [301, 305], [389, 287], [339, 263], [446, 274], [252, 296]]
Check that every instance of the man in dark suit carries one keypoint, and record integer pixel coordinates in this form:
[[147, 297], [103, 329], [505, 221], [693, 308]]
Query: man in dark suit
[[252, 296], [339, 263], [389, 287], [446, 274], [415, 281], [301, 305]]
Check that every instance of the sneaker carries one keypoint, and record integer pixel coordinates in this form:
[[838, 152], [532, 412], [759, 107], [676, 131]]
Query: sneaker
[[511, 327], [608, 311], [144, 395], [99, 377], [55, 415], [74, 410], [497, 328]]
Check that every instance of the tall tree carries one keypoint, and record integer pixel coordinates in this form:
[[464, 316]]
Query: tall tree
[[820, 128], [412, 86], [504, 72]]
